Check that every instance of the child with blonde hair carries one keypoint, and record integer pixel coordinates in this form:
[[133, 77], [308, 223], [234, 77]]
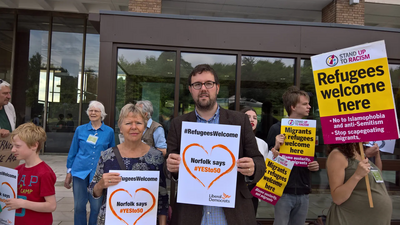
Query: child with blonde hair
[[36, 192]]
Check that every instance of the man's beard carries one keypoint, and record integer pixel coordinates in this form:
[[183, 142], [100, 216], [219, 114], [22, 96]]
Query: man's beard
[[207, 105]]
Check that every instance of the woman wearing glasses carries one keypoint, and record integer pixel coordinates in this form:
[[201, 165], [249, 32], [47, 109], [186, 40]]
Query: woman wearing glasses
[[89, 141]]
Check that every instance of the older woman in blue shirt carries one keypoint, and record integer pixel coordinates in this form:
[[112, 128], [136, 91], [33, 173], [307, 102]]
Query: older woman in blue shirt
[[89, 141]]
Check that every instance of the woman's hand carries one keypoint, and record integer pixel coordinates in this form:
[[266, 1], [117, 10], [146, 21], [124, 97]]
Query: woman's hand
[[107, 180], [363, 169], [67, 181], [372, 151], [110, 179]]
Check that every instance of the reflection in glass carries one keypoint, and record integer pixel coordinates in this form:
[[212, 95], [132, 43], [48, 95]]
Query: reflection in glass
[[224, 66], [307, 84], [91, 75], [394, 71], [264, 80], [146, 75], [6, 37], [31, 68], [65, 72]]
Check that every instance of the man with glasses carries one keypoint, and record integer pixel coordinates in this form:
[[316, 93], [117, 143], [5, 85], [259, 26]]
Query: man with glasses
[[7, 111], [204, 87]]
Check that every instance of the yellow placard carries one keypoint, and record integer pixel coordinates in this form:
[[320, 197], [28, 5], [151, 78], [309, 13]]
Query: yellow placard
[[275, 177], [298, 141], [354, 88]]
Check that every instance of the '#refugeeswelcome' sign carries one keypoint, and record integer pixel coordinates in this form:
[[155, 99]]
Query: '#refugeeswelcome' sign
[[134, 200], [354, 94]]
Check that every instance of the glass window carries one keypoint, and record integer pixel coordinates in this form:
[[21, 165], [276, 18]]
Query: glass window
[[30, 68], [392, 178], [6, 38], [91, 75], [146, 75], [264, 80], [224, 66], [64, 82], [307, 84]]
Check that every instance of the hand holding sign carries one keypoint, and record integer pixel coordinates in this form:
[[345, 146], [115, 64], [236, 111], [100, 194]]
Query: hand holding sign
[[362, 169], [279, 139], [245, 166], [7, 159], [372, 151], [4, 133], [15, 203], [313, 166], [109, 179], [173, 162]]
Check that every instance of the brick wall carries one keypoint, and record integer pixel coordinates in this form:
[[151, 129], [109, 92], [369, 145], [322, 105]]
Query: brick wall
[[145, 6], [340, 11], [329, 13]]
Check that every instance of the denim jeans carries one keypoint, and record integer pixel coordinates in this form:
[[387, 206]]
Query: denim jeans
[[81, 197], [291, 210]]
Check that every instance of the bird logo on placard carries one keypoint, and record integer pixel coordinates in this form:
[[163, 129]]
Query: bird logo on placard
[[224, 196]]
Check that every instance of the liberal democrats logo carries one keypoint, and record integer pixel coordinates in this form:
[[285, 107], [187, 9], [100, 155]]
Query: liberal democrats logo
[[332, 60], [291, 122]]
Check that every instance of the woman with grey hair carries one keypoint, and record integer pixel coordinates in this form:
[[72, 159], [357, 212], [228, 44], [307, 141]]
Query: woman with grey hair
[[89, 141], [132, 154]]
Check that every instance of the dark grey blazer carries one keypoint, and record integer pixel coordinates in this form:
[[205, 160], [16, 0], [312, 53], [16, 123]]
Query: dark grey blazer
[[243, 213]]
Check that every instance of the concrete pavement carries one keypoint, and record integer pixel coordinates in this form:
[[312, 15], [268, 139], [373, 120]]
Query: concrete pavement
[[64, 214]]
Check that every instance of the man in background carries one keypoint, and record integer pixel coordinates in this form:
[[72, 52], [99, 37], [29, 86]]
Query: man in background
[[7, 111], [154, 134]]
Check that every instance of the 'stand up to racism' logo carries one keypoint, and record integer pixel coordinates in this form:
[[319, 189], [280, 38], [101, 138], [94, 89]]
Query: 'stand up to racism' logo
[[303, 123], [332, 60], [291, 122]]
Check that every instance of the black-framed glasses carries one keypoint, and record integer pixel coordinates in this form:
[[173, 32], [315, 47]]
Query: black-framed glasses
[[207, 84]]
